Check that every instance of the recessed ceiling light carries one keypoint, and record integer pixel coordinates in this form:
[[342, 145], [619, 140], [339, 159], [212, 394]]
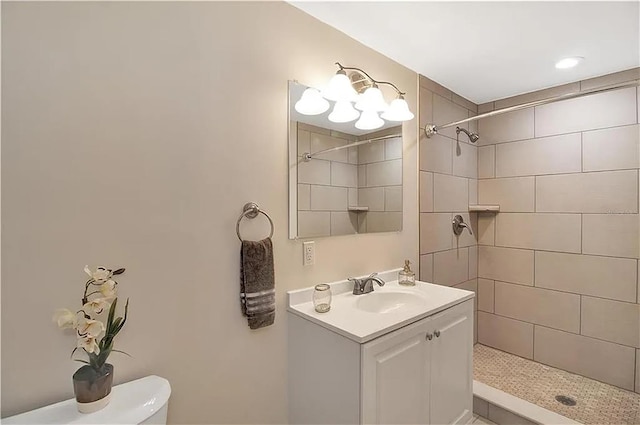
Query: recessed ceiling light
[[569, 62]]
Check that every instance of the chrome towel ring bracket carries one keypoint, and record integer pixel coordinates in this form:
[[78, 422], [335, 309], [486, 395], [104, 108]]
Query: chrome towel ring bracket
[[251, 211]]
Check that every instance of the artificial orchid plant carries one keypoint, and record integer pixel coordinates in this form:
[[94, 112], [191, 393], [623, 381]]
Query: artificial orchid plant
[[100, 295]]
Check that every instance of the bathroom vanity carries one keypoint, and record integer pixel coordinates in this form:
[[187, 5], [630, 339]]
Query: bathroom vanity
[[396, 355]]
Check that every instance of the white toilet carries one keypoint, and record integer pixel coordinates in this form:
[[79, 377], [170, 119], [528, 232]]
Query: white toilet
[[143, 401]]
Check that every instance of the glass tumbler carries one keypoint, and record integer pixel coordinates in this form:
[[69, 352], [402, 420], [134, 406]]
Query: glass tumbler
[[322, 298]]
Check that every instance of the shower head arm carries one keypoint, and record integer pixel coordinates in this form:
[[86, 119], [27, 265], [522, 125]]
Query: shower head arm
[[473, 137], [464, 130]]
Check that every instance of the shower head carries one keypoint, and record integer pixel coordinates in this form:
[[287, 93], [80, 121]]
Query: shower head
[[473, 137]]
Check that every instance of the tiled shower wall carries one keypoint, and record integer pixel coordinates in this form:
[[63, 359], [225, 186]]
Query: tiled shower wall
[[558, 265], [448, 184]]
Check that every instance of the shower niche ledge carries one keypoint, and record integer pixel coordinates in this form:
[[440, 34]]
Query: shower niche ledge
[[484, 208]]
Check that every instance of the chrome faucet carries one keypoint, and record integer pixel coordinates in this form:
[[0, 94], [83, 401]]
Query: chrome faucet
[[364, 286]]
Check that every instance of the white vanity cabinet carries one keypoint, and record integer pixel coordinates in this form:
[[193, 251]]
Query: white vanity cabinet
[[420, 373]]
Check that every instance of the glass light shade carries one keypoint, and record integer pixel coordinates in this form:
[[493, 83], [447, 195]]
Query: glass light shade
[[398, 111], [340, 88], [369, 120], [343, 112], [371, 100], [311, 103]]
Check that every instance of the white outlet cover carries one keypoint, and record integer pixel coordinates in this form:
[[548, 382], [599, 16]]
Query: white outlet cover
[[308, 253]]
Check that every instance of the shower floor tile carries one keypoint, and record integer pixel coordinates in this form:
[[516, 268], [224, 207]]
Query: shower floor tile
[[596, 402]]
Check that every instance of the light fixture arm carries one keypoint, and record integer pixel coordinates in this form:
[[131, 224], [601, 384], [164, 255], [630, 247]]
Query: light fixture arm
[[400, 93]]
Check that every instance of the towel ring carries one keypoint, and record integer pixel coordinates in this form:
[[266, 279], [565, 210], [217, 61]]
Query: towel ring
[[251, 210]]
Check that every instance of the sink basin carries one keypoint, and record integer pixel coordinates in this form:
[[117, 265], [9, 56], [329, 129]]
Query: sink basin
[[387, 302]]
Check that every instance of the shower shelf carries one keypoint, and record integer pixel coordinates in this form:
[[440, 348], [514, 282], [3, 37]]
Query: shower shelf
[[484, 208], [358, 209]]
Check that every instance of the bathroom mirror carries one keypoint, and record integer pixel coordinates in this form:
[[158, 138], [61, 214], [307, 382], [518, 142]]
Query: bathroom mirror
[[342, 180]]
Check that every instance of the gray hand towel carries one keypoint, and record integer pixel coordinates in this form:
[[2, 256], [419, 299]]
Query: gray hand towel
[[257, 283]]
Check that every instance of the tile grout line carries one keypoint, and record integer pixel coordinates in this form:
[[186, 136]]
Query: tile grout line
[[556, 135], [495, 161], [534, 268], [433, 264], [543, 288], [556, 252], [607, 213], [619, 345], [580, 316], [534, 121], [494, 297], [433, 192], [533, 342], [495, 227], [535, 194], [581, 234], [561, 173], [582, 151], [635, 370]]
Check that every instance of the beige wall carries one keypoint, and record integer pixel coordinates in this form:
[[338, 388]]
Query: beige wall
[[132, 135], [558, 266], [448, 185]]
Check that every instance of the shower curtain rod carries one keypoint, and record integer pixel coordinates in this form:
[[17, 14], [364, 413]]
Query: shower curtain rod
[[430, 129], [307, 156]]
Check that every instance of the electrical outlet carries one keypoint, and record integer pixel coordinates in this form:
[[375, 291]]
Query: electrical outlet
[[308, 253]]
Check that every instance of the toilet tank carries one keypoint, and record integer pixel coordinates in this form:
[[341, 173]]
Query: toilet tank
[[143, 401]]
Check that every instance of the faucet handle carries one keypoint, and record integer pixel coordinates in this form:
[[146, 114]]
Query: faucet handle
[[374, 274], [458, 225]]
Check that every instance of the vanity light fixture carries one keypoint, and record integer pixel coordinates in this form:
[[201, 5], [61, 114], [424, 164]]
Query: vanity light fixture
[[398, 110], [372, 100], [340, 88], [369, 120], [311, 103], [368, 104], [343, 111]]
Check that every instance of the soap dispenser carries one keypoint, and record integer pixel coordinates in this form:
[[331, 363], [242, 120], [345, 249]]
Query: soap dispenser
[[406, 277]]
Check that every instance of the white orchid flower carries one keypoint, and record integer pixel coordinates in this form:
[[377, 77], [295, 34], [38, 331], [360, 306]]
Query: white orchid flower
[[89, 344], [108, 289], [101, 274], [96, 305], [65, 318], [89, 327]]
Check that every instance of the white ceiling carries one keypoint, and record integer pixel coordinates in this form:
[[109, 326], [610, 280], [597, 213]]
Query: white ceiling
[[491, 50]]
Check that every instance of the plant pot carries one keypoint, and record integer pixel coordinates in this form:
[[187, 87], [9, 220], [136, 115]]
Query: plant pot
[[92, 388]]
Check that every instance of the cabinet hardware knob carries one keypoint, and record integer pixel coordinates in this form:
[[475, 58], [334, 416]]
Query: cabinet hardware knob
[[429, 336], [437, 334]]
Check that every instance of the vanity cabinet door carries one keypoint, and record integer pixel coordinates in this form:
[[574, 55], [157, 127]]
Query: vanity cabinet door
[[451, 352], [395, 377]]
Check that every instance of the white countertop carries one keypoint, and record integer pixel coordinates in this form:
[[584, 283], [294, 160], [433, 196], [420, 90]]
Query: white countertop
[[346, 319]]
